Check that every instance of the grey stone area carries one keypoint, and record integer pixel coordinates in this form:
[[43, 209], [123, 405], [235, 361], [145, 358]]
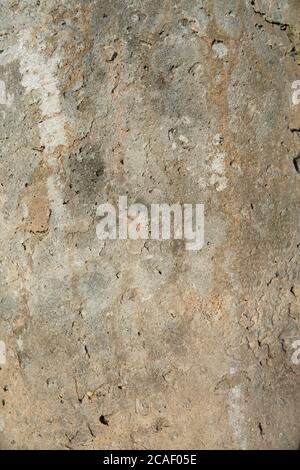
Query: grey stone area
[[141, 344]]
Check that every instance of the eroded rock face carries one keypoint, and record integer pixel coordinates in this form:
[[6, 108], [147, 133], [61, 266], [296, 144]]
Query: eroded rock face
[[134, 343]]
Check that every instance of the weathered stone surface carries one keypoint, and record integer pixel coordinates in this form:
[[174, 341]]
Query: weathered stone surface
[[175, 101]]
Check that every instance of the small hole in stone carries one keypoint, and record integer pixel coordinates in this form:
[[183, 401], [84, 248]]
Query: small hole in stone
[[113, 57], [103, 420], [296, 162]]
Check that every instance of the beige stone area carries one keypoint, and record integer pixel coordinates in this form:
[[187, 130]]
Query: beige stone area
[[141, 344]]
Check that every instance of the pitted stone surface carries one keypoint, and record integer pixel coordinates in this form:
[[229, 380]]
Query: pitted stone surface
[[141, 344]]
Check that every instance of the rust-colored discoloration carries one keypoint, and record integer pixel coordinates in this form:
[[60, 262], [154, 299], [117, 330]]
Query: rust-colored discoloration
[[35, 198]]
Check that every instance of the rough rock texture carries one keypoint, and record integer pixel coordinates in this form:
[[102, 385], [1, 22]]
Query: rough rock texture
[[134, 344]]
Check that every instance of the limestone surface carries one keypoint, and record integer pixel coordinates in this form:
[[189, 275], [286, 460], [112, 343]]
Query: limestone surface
[[142, 344]]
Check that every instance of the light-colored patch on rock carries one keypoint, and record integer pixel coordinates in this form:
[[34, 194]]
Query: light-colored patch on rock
[[5, 97], [236, 419]]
